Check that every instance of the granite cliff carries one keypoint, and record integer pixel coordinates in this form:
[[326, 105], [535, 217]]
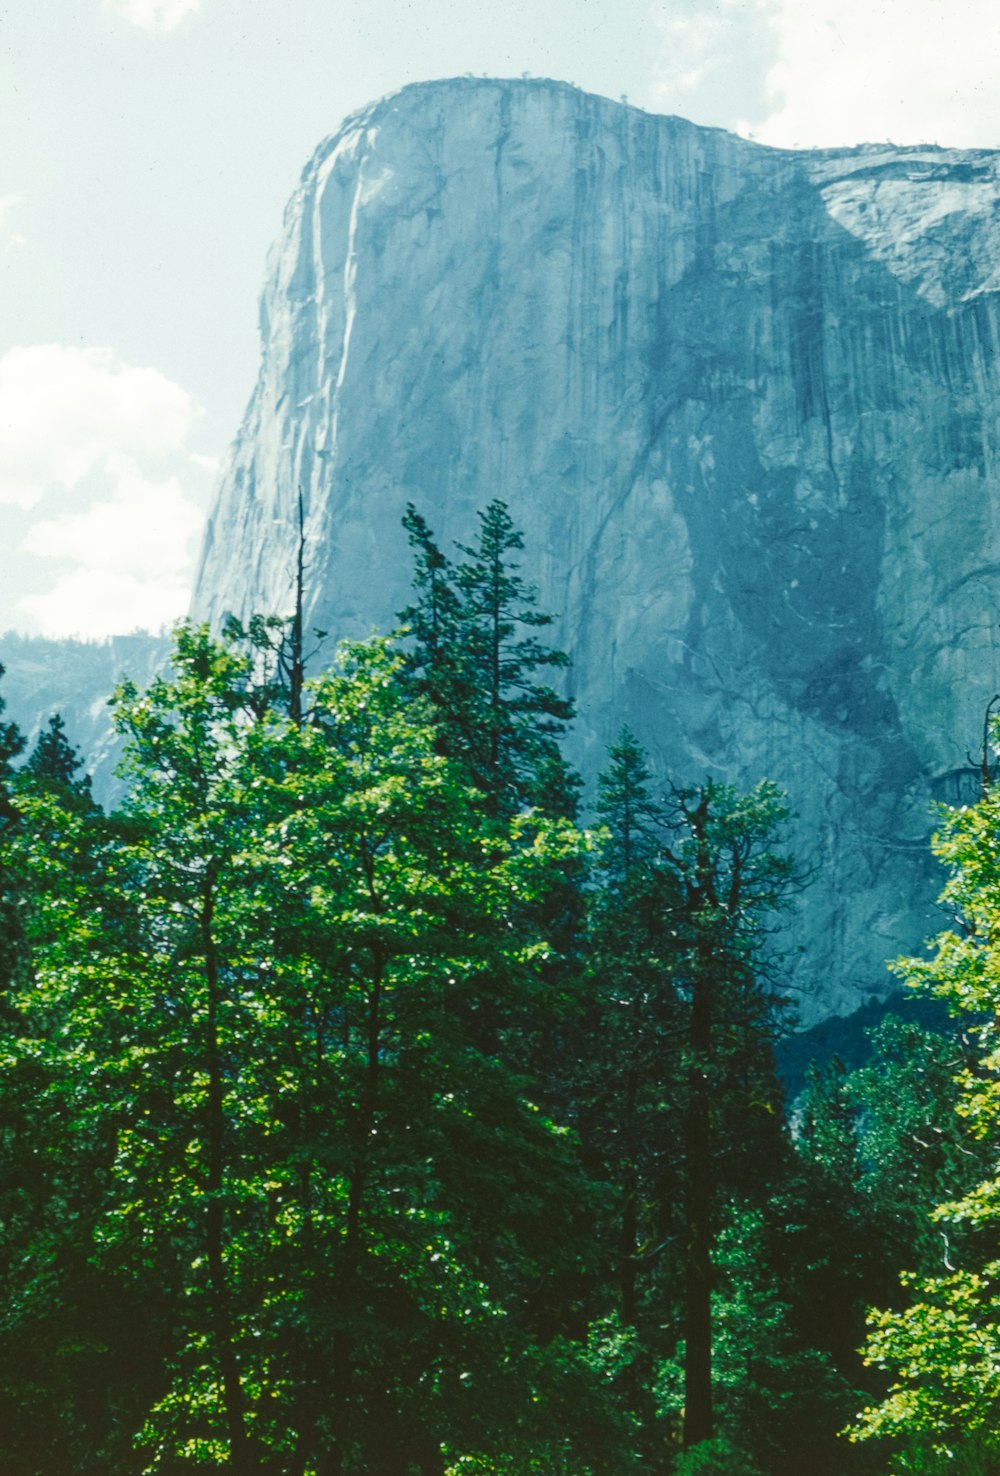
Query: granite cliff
[[743, 403]]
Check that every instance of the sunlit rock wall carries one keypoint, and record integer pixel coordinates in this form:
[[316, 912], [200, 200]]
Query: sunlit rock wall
[[743, 403]]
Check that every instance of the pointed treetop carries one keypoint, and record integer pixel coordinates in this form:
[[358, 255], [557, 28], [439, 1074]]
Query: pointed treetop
[[54, 763], [634, 819]]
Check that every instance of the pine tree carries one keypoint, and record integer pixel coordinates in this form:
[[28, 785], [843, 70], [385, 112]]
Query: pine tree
[[635, 1029], [11, 743], [634, 819], [472, 655], [519, 716], [731, 880], [475, 659], [436, 655], [686, 1116], [55, 764], [11, 746]]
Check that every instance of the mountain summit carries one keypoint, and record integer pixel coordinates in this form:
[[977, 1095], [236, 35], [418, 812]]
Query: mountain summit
[[743, 403]]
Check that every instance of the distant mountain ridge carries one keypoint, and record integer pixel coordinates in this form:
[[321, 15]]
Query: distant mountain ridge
[[75, 678]]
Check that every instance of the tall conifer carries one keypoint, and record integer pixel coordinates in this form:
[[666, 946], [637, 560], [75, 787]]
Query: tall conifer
[[474, 655]]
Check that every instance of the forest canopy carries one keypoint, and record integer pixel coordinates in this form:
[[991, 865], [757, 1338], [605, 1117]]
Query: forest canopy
[[366, 1113]]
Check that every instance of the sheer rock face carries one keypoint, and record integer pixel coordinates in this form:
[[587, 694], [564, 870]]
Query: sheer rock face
[[742, 403]]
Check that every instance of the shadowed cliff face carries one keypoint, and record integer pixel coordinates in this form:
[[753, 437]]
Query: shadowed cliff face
[[742, 403]]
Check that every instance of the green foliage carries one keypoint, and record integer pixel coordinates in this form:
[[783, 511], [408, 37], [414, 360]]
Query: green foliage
[[474, 657], [681, 999], [360, 1114], [251, 1030], [55, 764], [945, 1350], [76, 1339], [11, 745], [718, 1457], [942, 1350], [633, 818], [913, 1147], [965, 1456]]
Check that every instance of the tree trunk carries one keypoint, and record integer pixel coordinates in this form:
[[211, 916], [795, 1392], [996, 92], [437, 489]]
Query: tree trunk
[[630, 1207], [232, 1389], [297, 665], [698, 1289], [342, 1360]]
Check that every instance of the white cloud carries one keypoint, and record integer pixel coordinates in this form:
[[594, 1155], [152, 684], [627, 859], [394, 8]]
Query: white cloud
[[113, 437], [827, 73], [7, 204], [65, 411], [703, 43], [155, 15], [145, 529], [913, 71], [712, 61], [134, 550], [91, 604]]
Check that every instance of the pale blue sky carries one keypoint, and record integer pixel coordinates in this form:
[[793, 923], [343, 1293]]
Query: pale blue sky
[[147, 148]]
